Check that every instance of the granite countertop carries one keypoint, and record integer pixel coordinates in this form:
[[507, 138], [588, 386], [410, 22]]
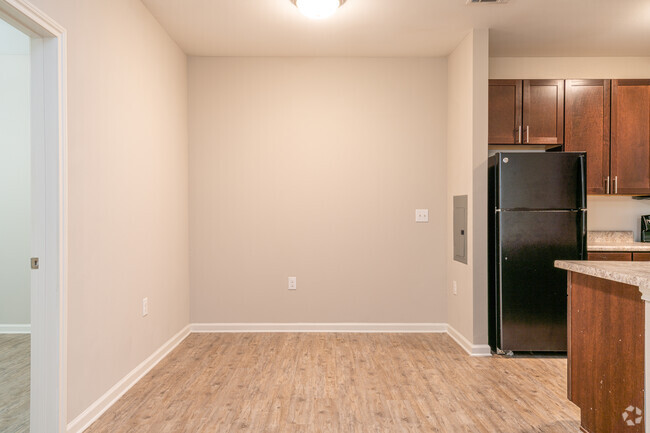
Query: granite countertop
[[614, 241], [626, 247], [632, 273]]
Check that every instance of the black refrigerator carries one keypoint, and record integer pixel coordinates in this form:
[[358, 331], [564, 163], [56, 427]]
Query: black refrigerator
[[537, 213]]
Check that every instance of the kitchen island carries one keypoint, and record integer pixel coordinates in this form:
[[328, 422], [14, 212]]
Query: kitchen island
[[607, 306]]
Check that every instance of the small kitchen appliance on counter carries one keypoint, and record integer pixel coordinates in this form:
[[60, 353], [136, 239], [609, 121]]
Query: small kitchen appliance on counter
[[645, 228]]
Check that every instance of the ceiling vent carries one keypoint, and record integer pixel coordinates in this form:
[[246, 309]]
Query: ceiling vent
[[472, 2]]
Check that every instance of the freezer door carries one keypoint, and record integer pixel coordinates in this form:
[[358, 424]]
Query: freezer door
[[541, 181], [532, 294]]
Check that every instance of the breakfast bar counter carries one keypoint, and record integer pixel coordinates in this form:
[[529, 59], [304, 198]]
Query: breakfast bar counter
[[632, 273], [607, 343]]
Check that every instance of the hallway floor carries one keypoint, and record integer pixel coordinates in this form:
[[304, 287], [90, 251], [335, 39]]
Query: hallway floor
[[14, 383]]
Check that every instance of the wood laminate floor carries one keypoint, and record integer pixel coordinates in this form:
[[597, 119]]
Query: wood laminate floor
[[14, 383], [342, 383]]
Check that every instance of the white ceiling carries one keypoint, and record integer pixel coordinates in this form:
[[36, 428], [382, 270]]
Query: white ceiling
[[407, 27]]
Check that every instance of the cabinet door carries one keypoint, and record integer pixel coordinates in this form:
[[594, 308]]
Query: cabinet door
[[543, 113], [610, 257], [587, 127], [642, 257], [631, 136], [504, 107]]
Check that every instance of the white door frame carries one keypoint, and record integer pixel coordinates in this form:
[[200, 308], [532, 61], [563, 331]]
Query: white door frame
[[49, 213]]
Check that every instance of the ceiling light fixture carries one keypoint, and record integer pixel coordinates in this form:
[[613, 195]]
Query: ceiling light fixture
[[318, 9]]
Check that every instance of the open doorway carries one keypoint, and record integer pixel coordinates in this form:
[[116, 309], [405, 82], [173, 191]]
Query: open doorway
[[32, 220], [15, 229]]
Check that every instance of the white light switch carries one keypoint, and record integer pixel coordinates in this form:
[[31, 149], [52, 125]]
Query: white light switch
[[422, 215], [292, 283], [145, 307]]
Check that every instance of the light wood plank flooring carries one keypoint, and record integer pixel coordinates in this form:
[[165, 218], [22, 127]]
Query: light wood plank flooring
[[14, 383], [342, 383]]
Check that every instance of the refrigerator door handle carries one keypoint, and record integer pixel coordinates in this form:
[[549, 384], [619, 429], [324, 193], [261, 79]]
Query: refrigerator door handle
[[583, 246], [583, 183], [498, 301]]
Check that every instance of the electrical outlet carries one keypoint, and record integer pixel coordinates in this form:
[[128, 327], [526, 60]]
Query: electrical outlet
[[454, 288], [292, 283], [145, 307], [421, 215]]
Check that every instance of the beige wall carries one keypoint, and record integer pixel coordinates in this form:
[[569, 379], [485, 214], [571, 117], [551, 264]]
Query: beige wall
[[467, 175], [128, 190], [569, 67], [605, 213], [481, 55], [313, 168], [616, 213]]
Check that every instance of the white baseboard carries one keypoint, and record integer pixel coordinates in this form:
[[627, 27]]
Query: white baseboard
[[471, 349], [15, 329], [321, 327], [95, 410]]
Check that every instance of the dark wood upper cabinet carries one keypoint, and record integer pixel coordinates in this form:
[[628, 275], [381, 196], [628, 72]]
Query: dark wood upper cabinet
[[504, 106], [608, 119], [587, 128], [526, 112], [543, 112], [630, 152]]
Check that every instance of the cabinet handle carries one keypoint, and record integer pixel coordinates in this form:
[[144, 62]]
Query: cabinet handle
[[519, 134], [527, 134], [607, 184], [615, 184]]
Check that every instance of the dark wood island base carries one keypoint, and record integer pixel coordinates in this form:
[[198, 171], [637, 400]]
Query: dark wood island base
[[606, 354]]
